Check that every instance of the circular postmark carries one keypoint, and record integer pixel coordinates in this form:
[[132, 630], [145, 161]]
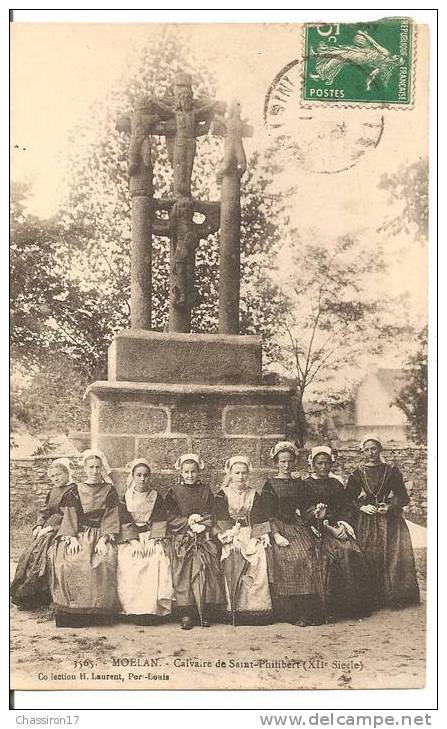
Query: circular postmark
[[324, 139]]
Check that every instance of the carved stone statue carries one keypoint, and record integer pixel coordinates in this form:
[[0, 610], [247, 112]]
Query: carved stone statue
[[192, 118], [185, 235]]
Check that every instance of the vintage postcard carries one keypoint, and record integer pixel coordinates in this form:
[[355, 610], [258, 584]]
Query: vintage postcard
[[219, 243]]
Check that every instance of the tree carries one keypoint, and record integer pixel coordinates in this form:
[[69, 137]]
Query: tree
[[331, 321], [413, 397], [51, 397], [50, 311], [408, 188]]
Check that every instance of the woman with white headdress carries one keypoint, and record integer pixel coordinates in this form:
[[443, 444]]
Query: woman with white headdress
[[377, 494], [83, 558], [347, 580], [294, 566], [196, 574], [144, 568], [29, 589], [243, 528]]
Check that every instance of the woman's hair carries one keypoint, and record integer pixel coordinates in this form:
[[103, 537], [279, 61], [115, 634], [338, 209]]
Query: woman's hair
[[189, 460], [275, 458]]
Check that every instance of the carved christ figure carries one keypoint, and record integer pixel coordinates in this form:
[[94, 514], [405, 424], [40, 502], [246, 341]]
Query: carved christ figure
[[185, 236], [190, 121]]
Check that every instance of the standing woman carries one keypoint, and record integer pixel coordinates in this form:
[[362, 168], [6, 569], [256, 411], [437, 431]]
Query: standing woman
[[196, 574], [29, 588], [243, 528], [377, 494], [295, 575], [144, 568], [83, 559], [347, 580]]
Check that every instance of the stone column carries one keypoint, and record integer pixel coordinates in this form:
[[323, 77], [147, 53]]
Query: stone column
[[230, 254], [141, 261], [232, 128], [141, 195]]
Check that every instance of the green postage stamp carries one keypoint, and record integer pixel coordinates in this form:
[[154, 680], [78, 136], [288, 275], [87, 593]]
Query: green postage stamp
[[367, 63]]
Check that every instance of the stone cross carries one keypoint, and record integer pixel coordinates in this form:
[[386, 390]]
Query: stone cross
[[233, 129]]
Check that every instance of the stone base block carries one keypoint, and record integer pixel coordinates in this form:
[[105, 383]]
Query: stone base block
[[161, 421], [142, 356]]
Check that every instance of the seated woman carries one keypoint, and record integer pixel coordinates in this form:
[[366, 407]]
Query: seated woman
[[29, 588], [144, 568], [243, 528], [347, 580], [83, 558], [196, 574], [377, 493], [295, 574]]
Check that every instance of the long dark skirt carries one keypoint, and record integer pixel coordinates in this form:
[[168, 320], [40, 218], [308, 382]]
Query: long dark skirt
[[196, 576], [348, 582], [29, 587], [386, 543], [84, 583], [296, 579]]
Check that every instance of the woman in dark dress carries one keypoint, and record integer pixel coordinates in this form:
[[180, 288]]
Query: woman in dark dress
[[29, 588], [196, 574], [347, 581], [243, 528], [377, 494], [295, 576], [83, 563]]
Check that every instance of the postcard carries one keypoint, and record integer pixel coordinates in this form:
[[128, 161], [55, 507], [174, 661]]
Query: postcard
[[219, 240]]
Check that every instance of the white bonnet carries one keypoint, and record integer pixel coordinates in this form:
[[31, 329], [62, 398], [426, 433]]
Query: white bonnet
[[229, 463], [371, 436], [130, 467], [316, 452], [64, 463], [284, 445], [94, 453], [189, 457]]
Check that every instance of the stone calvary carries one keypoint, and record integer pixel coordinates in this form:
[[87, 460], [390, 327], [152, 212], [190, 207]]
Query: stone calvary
[[179, 391]]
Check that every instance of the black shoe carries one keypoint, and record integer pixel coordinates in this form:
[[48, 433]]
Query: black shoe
[[187, 623]]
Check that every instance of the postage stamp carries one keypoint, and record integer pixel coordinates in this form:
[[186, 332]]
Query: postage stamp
[[367, 63]]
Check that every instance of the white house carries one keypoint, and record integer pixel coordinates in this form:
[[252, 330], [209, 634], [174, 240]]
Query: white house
[[374, 409]]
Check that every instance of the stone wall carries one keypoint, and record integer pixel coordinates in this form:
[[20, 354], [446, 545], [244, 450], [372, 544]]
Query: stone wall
[[29, 482]]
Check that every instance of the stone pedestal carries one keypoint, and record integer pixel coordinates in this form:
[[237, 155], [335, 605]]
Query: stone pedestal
[[152, 407], [141, 356]]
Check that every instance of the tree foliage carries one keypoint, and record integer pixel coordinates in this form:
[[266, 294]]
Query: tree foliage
[[413, 397], [332, 322], [408, 189], [50, 398]]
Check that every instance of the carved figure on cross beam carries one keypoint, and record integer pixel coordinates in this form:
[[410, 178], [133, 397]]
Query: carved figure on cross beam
[[233, 129], [191, 118]]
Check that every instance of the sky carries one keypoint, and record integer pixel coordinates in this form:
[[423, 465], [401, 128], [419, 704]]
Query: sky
[[59, 72]]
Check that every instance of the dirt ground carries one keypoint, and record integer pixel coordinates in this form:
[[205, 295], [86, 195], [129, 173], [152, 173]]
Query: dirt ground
[[386, 650]]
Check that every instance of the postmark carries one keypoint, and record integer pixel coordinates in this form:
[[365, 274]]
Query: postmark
[[325, 140], [359, 63]]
